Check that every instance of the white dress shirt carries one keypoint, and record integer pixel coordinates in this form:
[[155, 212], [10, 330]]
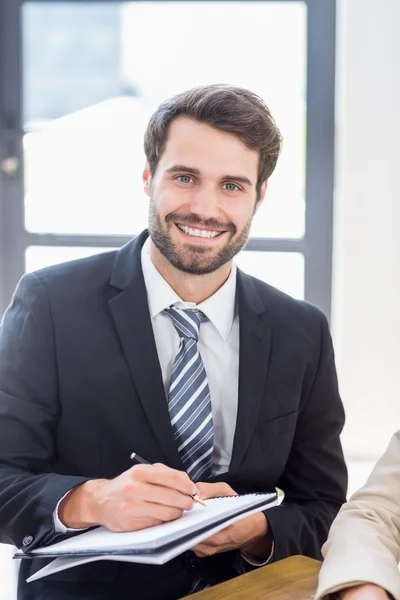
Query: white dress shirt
[[218, 346]]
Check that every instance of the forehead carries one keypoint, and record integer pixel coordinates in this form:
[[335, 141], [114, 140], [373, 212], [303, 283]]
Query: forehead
[[211, 151]]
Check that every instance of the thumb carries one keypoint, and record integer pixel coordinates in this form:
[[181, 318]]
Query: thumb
[[213, 490]]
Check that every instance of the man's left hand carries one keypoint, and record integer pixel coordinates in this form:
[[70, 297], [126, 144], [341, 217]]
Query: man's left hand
[[249, 534]]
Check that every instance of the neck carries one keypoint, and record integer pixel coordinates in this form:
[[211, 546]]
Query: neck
[[190, 288]]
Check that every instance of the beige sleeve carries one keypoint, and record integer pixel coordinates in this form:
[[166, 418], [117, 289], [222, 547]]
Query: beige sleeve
[[363, 545]]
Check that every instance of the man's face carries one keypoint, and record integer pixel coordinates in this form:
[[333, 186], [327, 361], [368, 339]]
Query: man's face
[[202, 197]]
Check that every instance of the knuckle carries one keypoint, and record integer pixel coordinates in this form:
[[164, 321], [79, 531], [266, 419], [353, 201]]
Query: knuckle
[[142, 522], [138, 472], [181, 480], [127, 511], [191, 485], [163, 513], [173, 513], [124, 507], [178, 501], [130, 485], [130, 489], [176, 477], [187, 503], [216, 540]]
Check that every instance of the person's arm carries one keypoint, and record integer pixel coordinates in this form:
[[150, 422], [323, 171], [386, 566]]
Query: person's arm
[[29, 412], [314, 481], [363, 546]]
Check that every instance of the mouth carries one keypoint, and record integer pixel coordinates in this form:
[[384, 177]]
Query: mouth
[[199, 234]]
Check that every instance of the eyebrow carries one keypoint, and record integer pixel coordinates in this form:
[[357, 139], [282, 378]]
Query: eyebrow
[[176, 168], [192, 171]]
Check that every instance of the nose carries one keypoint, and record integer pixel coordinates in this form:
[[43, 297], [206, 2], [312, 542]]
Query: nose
[[204, 202]]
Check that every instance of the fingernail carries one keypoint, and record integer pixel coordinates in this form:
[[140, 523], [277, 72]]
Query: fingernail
[[196, 491]]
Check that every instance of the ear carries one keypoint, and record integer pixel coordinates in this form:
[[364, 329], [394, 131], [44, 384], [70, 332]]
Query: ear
[[147, 179], [260, 200]]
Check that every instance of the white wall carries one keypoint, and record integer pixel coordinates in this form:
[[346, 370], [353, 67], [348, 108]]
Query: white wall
[[366, 301]]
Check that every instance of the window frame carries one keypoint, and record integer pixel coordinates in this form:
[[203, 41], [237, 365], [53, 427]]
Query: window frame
[[315, 245]]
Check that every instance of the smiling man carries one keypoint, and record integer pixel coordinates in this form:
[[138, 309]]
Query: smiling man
[[200, 215], [165, 348], [203, 195]]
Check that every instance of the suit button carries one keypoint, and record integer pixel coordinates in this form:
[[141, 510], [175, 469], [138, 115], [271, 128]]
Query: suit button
[[28, 539], [194, 561]]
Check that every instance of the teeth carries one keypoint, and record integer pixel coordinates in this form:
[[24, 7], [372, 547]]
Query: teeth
[[198, 232]]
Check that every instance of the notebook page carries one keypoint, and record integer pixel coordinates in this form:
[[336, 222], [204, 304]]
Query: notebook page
[[159, 557], [100, 539]]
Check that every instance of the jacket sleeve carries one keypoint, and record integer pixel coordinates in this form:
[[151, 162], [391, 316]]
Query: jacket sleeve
[[364, 542], [314, 481], [29, 413]]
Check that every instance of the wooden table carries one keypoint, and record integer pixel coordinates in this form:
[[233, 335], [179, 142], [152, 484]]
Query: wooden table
[[293, 578]]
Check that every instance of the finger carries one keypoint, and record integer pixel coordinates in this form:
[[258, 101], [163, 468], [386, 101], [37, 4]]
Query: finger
[[164, 476], [207, 549], [149, 510], [201, 550], [218, 539], [143, 523], [156, 494], [213, 490], [200, 554], [133, 524]]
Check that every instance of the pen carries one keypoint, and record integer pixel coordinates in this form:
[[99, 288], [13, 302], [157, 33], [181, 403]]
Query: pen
[[142, 461]]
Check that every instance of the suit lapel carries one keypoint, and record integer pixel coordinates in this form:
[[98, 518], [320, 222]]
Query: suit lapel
[[131, 316], [255, 343]]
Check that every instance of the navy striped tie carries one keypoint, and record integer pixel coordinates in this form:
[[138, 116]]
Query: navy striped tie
[[189, 399]]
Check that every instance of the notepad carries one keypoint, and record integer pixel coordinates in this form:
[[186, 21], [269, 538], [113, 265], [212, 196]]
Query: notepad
[[153, 545]]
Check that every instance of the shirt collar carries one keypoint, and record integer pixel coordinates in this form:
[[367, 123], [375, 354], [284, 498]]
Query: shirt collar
[[218, 308]]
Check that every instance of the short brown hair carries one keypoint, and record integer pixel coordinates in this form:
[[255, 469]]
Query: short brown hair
[[231, 109]]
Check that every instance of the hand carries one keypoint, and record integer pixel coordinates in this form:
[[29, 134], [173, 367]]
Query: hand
[[143, 496], [248, 534], [368, 591]]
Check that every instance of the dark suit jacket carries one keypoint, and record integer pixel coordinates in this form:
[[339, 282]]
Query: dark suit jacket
[[81, 388]]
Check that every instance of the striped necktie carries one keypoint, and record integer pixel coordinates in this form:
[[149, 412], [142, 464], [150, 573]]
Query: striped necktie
[[189, 399]]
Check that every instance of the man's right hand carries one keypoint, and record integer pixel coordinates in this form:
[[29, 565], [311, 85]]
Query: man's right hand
[[143, 496], [367, 591]]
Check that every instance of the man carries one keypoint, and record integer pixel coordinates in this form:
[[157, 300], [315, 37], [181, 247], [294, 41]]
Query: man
[[164, 348], [362, 553]]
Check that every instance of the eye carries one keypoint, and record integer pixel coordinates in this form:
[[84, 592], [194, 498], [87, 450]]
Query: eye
[[184, 179], [231, 187]]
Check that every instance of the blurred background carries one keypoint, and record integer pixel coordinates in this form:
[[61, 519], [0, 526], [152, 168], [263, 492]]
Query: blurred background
[[78, 83]]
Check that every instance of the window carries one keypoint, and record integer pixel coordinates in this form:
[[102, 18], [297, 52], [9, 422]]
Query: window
[[72, 158], [83, 153]]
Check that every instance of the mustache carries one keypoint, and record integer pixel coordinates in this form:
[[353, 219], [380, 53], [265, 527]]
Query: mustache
[[191, 219]]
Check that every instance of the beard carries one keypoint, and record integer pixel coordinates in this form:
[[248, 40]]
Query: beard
[[191, 258]]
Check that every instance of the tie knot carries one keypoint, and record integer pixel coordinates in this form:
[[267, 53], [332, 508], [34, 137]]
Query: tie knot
[[186, 321]]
